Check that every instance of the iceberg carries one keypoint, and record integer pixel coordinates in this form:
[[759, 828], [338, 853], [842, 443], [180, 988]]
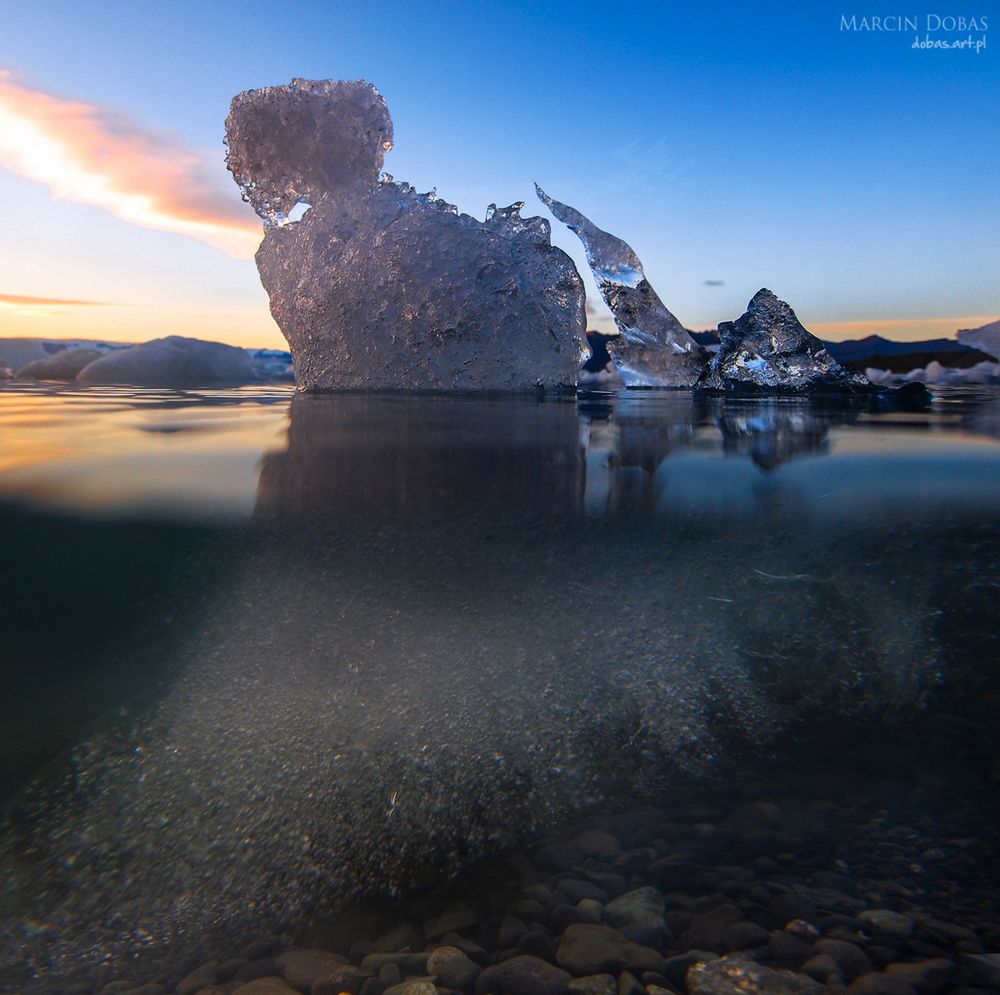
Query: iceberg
[[63, 365], [767, 349], [174, 361], [654, 348], [378, 287], [986, 338], [938, 375]]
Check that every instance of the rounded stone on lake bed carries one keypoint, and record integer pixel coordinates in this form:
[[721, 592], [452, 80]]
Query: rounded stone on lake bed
[[853, 961], [744, 935], [597, 843], [925, 975], [594, 984], [787, 946], [408, 963], [887, 922], [644, 905], [521, 975], [587, 949], [877, 983], [301, 968], [453, 968], [739, 976], [590, 910], [417, 986], [823, 968], [265, 986], [200, 977]]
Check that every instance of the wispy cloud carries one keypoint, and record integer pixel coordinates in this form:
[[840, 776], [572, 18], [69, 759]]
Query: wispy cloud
[[22, 306], [91, 155], [18, 300]]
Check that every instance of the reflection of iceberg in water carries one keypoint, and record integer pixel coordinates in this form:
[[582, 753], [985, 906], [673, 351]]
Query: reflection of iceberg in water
[[773, 431], [372, 461], [625, 445], [360, 706], [984, 420]]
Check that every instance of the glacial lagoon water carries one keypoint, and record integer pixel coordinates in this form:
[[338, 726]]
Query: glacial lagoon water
[[297, 669]]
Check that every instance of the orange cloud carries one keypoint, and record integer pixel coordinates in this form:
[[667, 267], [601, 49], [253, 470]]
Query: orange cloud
[[17, 300], [91, 155]]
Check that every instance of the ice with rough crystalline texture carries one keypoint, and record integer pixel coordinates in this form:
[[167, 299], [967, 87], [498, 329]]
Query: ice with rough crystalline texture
[[985, 338], [378, 286], [654, 348], [768, 349]]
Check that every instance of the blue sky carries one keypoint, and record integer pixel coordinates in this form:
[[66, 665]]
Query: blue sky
[[757, 145]]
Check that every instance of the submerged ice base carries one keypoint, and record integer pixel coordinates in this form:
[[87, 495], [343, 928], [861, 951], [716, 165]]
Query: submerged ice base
[[379, 287]]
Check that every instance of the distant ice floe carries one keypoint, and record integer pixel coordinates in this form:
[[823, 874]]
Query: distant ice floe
[[64, 365], [986, 339], [935, 374], [174, 361]]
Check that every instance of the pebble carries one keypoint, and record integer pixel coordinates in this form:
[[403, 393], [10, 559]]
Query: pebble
[[786, 946], [453, 967], [302, 968], [823, 968], [983, 969], [576, 890], [408, 963], [642, 905], [629, 984], [587, 949], [744, 935], [418, 986], [877, 983], [738, 976], [523, 975], [853, 961], [200, 977], [511, 930], [265, 986], [887, 922], [931, 976], [470, 948], [594, 984], [538, 944]]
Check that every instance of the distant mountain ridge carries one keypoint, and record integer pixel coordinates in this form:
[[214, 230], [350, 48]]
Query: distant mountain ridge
[[853, 350]]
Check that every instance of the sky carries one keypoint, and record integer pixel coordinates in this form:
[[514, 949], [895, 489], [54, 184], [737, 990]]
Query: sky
[[733, 145]]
